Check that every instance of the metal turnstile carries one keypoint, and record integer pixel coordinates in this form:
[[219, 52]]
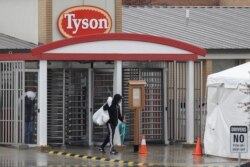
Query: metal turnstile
[[67, 106], [151, 118], [76, 107], [128, 74], [103, 87], [55, 95]]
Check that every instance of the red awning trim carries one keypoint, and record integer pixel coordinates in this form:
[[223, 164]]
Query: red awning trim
[[18, 56], [120, 36], [105, 57], [98, 57]]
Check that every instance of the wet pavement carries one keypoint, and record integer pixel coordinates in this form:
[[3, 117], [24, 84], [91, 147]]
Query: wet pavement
[[158, 155]]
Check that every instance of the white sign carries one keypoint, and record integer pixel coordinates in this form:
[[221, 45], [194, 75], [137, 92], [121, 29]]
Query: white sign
[[238, 139]]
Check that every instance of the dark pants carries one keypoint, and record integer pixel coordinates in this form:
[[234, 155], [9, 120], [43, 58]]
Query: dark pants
[[29, 130], [110, 136]]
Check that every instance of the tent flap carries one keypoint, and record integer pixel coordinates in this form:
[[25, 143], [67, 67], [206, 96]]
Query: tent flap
[[227, 103]]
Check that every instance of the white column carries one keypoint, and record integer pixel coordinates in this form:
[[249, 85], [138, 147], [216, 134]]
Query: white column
[[42, 104], [117, 77], [190, 102], [165, 106], [117, 89]]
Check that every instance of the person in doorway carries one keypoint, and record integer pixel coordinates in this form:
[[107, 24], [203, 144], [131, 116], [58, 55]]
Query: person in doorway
[[30, 109], [114, 115]]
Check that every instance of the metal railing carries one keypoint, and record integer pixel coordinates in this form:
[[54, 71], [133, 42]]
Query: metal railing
[[12, 102]]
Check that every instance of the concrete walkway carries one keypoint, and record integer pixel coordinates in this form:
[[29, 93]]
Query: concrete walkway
[[158, 155]]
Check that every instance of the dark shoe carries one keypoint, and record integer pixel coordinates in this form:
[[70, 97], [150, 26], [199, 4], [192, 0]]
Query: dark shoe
[[113, 152], [101, 149]]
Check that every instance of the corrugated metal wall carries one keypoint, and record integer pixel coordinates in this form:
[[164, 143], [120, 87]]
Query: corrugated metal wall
[[208, 27]]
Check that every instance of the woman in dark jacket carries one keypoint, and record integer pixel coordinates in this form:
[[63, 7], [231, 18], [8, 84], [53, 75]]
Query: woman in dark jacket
[[114, 115]]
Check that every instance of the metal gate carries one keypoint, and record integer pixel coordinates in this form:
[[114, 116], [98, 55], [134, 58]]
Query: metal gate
[[151, 118], [103, 87], [56, 111], [12, 102], [199, 101], [176, 100], [67, 106]]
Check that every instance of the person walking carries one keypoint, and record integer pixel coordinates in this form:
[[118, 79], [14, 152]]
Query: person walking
[[114, 114]]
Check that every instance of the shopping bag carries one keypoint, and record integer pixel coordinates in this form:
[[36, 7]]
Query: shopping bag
[[123, 131], [105, 116], [101, 117]]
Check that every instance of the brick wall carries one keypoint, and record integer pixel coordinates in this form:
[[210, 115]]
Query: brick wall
[[118, 16], [45, 21], [188, 2], [207, 70], [173, 2], [234, 2], [136, 2]]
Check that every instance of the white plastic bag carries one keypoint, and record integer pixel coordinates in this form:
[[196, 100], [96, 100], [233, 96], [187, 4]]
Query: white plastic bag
[[105, 116], [101, 116]]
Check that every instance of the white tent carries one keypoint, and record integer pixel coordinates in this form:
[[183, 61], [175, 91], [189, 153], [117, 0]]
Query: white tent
[[226, 99]]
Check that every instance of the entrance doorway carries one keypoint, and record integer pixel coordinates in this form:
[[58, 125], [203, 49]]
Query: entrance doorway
[[67, 106], [152, 116], [30, 106], [176, 101], [103, 88]]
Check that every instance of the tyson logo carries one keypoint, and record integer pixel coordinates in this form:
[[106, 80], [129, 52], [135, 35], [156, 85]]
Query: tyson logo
[[84, 20]]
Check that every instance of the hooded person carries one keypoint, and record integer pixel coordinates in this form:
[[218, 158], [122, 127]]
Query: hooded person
[[114, 114]]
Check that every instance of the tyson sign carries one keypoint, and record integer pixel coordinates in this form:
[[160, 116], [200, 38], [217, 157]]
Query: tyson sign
[[83, 20]]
